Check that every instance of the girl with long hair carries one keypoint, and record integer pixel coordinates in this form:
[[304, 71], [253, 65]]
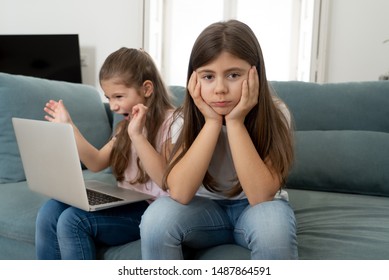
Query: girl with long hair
[[231, 159], [137, 155]]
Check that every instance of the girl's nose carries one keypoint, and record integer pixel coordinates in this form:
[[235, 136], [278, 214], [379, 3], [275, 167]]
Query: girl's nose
[[220, 87], [113, 106]]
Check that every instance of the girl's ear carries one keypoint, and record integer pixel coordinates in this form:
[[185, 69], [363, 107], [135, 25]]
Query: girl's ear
[[148, 88]]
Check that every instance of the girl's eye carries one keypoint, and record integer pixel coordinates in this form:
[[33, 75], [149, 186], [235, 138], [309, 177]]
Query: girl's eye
[[207, 77], [234, 75]]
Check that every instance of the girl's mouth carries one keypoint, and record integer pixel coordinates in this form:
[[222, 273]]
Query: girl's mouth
[[126, 116], [221, 104]]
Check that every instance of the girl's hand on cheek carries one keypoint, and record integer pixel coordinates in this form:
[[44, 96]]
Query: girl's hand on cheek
[[138, 120], [194, 88], [249, 98]]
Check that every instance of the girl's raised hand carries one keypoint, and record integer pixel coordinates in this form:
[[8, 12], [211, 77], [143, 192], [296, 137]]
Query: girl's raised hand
[[194, 88], [57, 112], [249, 98], [137, 121]]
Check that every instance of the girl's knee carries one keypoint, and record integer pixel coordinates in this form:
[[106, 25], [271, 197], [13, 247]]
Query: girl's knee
[[274, 220], [158, 213], [49, 213], [268, 230], [167, 215], [274, 211], [72, 220]]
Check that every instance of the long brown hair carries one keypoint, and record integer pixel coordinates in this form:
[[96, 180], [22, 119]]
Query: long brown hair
[[267, 125], [133, 67]]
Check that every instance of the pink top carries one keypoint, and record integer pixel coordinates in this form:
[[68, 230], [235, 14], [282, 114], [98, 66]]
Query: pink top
[[150, 187]]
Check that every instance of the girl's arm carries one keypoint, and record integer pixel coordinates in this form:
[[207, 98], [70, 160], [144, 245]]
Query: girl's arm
[[154, 163], [94, 159], [258, 179], [187, 175]]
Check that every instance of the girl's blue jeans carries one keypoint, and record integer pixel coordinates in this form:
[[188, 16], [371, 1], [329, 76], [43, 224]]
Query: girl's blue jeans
[[64, 232], [267, 229]]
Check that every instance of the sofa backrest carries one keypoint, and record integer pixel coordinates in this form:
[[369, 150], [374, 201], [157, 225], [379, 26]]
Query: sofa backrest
[[340, 106], [342, 136]]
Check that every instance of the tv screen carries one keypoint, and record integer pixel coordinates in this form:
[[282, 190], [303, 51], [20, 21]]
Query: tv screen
[[54, 57]]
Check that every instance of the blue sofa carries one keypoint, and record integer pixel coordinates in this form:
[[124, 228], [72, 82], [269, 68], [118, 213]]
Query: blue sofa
[[338, 188]]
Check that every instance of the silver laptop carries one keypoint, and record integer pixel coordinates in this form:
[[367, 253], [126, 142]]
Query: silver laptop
[[52, 167]]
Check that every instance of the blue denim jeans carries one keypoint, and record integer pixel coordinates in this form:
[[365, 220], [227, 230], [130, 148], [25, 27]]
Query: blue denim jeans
[[267, 229], [64, 232]]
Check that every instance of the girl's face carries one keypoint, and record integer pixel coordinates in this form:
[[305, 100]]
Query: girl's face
[[121, 98], [221, 82]]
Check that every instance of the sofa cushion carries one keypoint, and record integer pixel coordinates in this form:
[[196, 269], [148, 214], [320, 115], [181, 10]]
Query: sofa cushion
[[333, 226], [341, 161], [18, 210], [25, 97]]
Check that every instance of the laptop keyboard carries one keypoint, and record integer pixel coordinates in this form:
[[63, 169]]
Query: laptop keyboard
[[97, 198]]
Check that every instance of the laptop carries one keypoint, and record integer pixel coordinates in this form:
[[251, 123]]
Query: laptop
[[52, 167]]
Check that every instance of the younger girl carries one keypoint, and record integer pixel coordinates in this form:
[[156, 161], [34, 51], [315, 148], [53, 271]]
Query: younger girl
[[231, 158], [137, 155]]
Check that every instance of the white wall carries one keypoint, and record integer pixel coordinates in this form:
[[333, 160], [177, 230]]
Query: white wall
[[355, 49], [103, 25]]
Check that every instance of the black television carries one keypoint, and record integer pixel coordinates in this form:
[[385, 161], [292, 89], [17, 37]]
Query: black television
[[49, 56]]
